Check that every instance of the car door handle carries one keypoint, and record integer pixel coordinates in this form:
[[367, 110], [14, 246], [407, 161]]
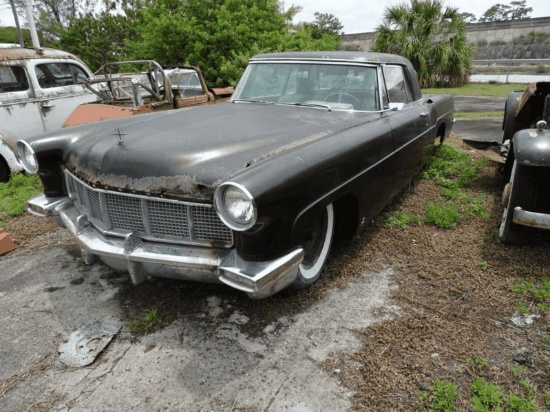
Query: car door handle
[[46, 105], [424, 114]]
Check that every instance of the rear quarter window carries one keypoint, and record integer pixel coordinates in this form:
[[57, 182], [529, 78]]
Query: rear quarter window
[[13, 79]]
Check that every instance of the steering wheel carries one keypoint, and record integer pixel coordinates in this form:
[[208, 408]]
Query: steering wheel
[[343, 97]]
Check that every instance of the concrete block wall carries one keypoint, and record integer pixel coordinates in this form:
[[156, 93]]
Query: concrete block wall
[[500, 30]]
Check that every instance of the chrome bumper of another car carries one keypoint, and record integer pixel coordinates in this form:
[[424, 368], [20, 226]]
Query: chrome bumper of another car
[[143, 259], [532, 219]]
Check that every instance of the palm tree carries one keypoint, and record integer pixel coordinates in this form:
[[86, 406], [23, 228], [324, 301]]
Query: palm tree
[[432, 37]]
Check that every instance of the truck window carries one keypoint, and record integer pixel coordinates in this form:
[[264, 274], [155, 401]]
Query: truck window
[[59, 74], [13, 79], [396, 85]]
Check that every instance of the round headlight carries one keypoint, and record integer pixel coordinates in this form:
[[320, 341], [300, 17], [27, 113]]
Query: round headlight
[[27, 156], [235, 206]]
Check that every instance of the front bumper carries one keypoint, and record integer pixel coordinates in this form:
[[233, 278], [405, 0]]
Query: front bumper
[[142, 259]]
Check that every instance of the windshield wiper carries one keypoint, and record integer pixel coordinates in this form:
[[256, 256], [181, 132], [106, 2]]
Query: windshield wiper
[[306, 104], [251, 101]]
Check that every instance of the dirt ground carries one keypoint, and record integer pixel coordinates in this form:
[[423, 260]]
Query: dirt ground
[[453, 288]]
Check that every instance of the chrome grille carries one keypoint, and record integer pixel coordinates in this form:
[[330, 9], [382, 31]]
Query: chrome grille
[[151, 218]]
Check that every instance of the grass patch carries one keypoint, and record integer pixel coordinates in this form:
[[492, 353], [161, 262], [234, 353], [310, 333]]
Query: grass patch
[[485, 397], [15, 193], [533, 294], [478, 115], [478, 89], [453, 169], [398, 220]]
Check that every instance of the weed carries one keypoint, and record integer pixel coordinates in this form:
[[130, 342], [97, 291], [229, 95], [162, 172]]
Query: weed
[[443, 396], [547, 401], [541, 68], [539, 294], [482, 264], [399, 220], [15, 193], [486, 396], [146, 324], [546, 340], [477, 362], [442, 215], [477, 207]]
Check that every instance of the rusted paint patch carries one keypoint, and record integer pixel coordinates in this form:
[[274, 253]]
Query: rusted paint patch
[[93, 112], [19, 53], [181, 187]]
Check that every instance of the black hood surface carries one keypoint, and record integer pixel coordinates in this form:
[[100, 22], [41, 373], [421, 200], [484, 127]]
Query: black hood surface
[[179, 150]]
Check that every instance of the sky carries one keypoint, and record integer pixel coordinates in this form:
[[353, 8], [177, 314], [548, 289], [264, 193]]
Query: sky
[[357, 16]]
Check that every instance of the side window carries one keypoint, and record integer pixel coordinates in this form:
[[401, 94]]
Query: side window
[[396, 85], [13, 79], [59, 74]]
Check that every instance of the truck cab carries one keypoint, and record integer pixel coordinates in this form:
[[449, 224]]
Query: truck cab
[[38, 89]]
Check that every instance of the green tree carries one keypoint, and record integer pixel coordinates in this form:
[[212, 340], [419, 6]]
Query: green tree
[[432, 37], [218, 35], [98, 39], [500, 12], [468, 17]]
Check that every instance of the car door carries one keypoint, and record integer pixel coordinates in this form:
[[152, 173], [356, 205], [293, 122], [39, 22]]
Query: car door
[[409, 122], [60, 88], [18, 115]]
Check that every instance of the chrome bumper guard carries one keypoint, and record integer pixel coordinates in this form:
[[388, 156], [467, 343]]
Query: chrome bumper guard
[[143, 259], [532, 219]]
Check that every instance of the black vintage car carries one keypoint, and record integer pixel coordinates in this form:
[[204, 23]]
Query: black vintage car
[[526, 198], [249, 193]]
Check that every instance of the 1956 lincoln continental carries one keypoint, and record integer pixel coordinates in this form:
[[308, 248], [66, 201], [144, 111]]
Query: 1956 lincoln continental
[[249, 193]]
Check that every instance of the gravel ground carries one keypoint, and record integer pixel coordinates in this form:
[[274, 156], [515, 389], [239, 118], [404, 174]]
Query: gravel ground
[[453, 291]]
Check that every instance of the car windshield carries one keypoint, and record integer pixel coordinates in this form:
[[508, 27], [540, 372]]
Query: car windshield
[[333, 86]]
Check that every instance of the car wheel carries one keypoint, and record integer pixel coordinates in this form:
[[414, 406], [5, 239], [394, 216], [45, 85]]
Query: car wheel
[[316, 247], [4, 171], [518, 192]]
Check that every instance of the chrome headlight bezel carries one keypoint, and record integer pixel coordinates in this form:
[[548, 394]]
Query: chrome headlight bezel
[[230, 201], [27, 156]]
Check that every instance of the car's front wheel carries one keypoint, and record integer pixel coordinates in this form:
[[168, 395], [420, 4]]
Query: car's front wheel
[[316, 245]]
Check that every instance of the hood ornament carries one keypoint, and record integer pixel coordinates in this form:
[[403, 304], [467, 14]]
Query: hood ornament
[[118, 133]]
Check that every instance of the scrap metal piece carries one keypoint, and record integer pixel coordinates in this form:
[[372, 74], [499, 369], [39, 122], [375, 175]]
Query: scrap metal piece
[[86, 343]]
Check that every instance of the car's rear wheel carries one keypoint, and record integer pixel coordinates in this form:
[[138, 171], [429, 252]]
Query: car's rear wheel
[[316, 245], [519, 192]]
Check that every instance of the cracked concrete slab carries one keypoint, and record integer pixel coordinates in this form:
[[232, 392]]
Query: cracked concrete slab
[[205, 360]]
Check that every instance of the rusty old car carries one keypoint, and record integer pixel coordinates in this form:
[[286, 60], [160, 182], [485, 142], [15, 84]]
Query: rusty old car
[[249, 193], [38, 88], [131, 87], [526, 197]]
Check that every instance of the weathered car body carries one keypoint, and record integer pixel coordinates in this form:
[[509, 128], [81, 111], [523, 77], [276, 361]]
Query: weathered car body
[[526, 198], [248, 193], [147, 88], [38, 88]]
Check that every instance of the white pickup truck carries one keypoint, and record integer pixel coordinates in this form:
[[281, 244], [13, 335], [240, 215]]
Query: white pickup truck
[[39, 88]]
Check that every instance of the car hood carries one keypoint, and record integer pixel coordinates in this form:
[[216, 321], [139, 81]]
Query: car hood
[[191, 151]]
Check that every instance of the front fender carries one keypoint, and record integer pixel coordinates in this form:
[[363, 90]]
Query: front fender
[[6, 152], [532, 147]]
